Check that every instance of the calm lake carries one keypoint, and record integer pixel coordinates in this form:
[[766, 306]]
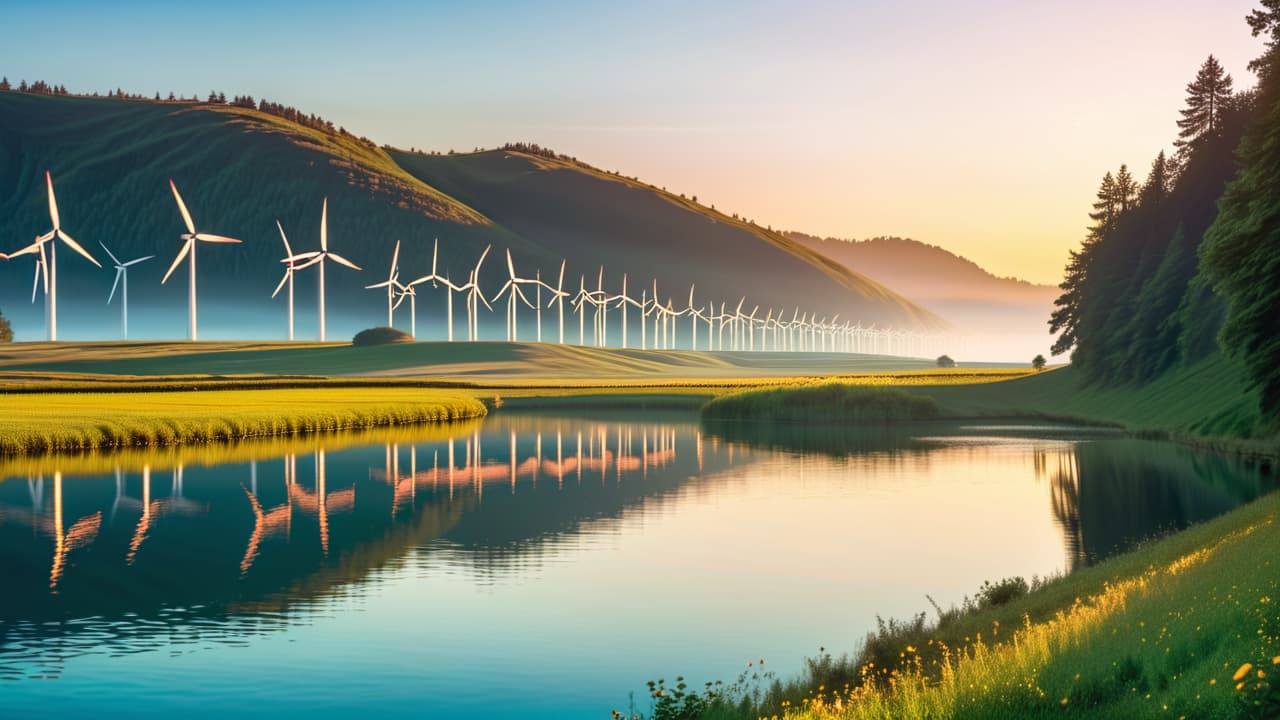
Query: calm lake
[[533, 565]]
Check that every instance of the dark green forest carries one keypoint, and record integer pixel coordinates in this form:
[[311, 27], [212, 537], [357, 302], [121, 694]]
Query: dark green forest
[[1185, 263]]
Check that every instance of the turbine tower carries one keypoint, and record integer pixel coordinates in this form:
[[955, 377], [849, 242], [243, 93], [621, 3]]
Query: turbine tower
[[122, 274], [318, 258], [289, 266], [391, 284], [50, 259], [191, 237]]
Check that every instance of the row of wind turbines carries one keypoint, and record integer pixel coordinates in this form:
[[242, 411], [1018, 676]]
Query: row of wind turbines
[[711, 326]]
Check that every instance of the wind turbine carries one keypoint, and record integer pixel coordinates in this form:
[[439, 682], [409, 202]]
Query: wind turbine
[[557, 298], [435, 279], [473, 293], [50, 260], [122, 273], [391, 284], [407, 291], [514, 294], [189, 248], [289, 266], [318, 258]]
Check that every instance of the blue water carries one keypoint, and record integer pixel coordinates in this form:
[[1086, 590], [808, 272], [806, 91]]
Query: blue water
[[336, 576]]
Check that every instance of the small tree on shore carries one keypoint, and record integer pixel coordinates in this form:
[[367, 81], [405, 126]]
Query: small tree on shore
[[6, 330], [1038, 362], [945, 361]]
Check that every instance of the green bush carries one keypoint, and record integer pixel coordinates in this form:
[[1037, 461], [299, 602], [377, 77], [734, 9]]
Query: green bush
[[380, 336]]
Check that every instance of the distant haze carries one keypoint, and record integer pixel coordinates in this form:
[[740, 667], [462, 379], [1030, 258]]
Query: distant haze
[[980, 126], [1006, 318]]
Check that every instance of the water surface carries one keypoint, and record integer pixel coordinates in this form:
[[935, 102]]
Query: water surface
[[534, 565]]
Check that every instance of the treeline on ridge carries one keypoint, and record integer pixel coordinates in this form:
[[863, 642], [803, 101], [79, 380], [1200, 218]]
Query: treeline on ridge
[[1164, 276]]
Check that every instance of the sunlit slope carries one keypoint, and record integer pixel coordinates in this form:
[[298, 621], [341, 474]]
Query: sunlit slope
[[567, 209], [474, 362], [239, 170]]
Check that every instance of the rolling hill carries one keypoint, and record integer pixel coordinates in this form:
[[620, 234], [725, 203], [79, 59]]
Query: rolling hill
[[241, 170], [1012, 314]]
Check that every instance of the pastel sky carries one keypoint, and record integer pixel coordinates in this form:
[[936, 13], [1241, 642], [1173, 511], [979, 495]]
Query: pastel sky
[[980, 126]]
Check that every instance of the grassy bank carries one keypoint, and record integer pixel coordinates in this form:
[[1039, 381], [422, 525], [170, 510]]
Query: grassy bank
[[1156, 633], [39, 423], [825, 402]]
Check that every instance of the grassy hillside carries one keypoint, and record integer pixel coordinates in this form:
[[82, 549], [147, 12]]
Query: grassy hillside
[[569, 209], [1208, 398], [241, 170], [475, 362]]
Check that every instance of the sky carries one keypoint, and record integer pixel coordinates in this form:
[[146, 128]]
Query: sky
[[983, 127]]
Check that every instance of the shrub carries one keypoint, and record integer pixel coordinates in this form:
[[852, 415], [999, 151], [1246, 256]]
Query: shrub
[[6, 330], [945, 361], [380, 336]]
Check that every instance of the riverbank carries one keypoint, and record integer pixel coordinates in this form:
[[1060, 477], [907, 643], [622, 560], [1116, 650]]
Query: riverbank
[[34, 423], [1158, 632]]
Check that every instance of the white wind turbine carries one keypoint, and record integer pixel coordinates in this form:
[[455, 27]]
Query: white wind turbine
[[189, 248], [289, 266], [122, 274], [318, 258], [407, 291], [557, 298], [49, 260], [436, 280], [390, 284], [473, 293], [514, 295]]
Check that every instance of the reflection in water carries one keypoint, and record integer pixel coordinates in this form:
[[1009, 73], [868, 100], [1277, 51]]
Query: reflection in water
[[208, 547]]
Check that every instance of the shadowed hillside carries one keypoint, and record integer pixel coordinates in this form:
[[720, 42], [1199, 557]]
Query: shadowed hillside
[[240, 170]]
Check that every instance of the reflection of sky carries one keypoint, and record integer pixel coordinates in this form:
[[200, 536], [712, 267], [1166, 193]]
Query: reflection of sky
[[664, 571]]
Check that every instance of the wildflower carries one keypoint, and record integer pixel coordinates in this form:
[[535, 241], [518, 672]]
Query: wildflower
[[1244, 670], [1064, 701]]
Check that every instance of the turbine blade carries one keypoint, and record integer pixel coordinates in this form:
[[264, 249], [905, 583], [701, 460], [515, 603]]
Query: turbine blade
[[318, 258], [186, 248], [560, 282], [31, 249], [435, 251], [35, 283], [283, 280], [287, 250], [300, 257], [206, 237], [511, 268], [76, 246], [186, 215], [395, 258], [324, 226], [119, 272], [107, 250], [480, 262], [342, 261], [135, 262], [53, 202]]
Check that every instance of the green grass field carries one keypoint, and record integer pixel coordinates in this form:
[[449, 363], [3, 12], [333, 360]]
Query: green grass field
[[482, 363], [49, 422]]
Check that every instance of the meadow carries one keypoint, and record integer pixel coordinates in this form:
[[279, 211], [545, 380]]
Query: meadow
[[51, 422]]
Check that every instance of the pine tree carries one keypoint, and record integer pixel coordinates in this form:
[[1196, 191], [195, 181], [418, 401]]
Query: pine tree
[[1208, 97], [1159, 182], [1242, 248], [1104, 208]]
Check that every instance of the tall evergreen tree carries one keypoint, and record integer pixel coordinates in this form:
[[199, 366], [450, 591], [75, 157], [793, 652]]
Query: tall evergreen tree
[[1242, 247], [1207, 99]]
